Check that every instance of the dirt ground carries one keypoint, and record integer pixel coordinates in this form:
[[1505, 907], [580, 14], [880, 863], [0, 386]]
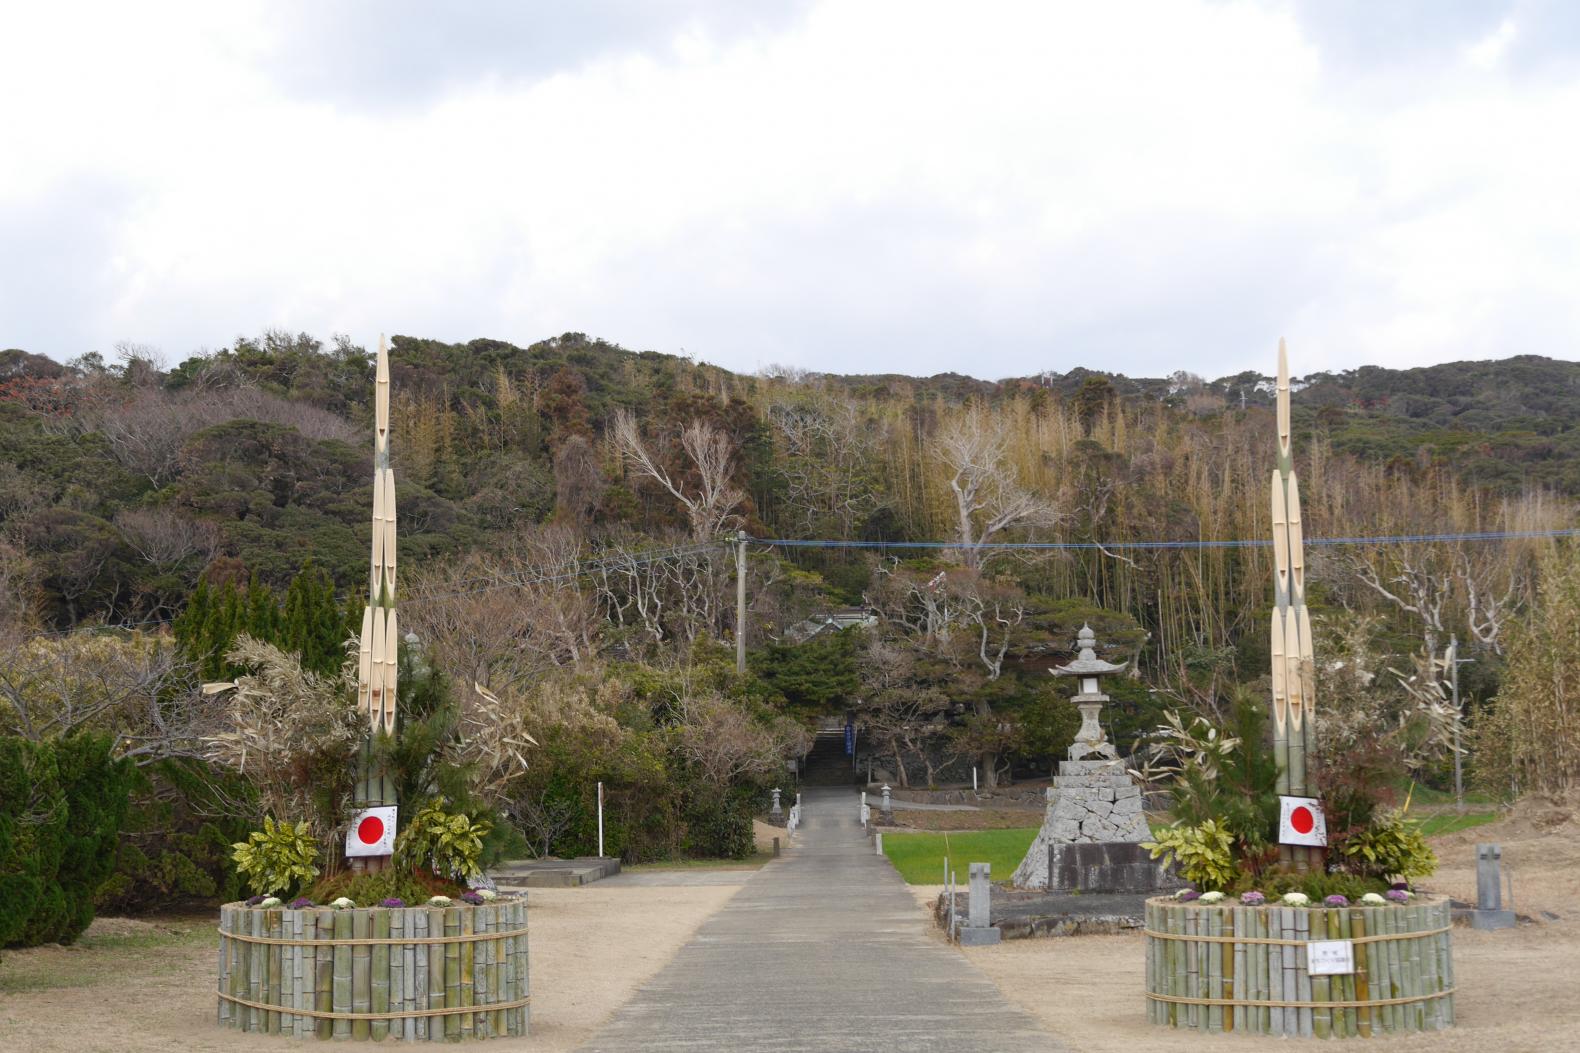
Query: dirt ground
[[1516, 986], [139, 986]]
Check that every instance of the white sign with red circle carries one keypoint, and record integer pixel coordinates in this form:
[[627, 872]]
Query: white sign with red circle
[[372, 832], [1300, 822]]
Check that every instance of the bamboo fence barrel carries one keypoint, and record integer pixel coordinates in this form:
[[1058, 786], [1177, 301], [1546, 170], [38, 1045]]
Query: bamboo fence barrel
[[409, 973], [1237, 967]]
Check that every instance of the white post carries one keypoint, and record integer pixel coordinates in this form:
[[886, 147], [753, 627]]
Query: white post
[[973, 778], [600, 820], [880, 842]]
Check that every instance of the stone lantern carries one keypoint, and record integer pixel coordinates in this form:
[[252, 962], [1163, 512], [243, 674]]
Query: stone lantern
[[1089, 740], [1091, 834]]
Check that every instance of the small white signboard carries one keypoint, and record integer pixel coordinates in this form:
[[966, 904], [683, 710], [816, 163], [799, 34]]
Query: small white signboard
[[372, 832], [1330, 957], [1301, 822]]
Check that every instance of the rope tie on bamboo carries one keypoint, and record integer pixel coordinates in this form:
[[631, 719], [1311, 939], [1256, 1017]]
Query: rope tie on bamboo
[[365, 941], [1381, 938], [1372, 1003], [324, 1014]]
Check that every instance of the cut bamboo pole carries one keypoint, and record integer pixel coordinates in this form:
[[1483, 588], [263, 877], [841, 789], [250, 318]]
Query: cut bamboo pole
[[1360, 927], [298, 974], [342, 974], [222, 1011], [1344, 1019], [452, 974], [1214, 949], [1321, 986], [324, 970], [1395, 970], [255, 971], [468, 974], [379, 975], [482, 1021], [1233, 968], [1275, 969], [361, 989], [1302, 976], [496, 972], [424, 954], [400, 979]]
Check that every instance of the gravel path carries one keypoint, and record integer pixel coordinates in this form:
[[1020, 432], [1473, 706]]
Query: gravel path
[[823, 949]]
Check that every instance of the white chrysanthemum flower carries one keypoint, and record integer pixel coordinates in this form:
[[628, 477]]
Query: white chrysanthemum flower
[[1211, 897], [1296, 899], [272, 901], [1372, 899], [439, 901], [342, 903], [487, 893]]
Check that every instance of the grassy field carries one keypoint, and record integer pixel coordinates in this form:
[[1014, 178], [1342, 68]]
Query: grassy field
[[103, 951], [920, 857]]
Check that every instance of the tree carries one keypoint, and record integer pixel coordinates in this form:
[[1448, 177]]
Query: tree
[[973, 449], [829, 464], [705, 492], [903, 705]]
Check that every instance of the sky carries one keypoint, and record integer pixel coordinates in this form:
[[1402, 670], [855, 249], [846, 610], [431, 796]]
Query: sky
[[990, 188]]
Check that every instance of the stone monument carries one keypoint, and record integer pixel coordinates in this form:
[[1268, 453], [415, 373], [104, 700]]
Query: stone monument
[[1092, 832]]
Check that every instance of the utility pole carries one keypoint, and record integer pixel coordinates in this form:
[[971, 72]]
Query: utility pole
[[740, 601], [1454, 662]]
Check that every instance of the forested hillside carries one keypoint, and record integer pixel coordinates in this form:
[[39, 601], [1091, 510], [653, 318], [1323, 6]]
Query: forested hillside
[[562, 510]]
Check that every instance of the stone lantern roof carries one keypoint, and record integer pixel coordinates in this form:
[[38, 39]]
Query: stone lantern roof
[[1087, 663]]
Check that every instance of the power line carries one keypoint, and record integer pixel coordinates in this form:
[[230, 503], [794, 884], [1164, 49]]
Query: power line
[[575, 569], [1388, 539], [569, 571]]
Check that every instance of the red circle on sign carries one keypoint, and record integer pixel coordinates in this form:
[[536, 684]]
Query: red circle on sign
[[371, 830], [1301, 820]]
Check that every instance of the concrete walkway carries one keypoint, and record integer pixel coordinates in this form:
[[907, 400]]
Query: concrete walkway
[[824, 949]]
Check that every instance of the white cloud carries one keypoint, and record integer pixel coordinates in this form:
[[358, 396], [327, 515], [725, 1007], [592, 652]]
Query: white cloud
[[865, 187], [1488, 52]]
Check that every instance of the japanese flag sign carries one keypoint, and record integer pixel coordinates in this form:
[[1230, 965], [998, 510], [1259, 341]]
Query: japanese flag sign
[[372, 832], [1300, 822]]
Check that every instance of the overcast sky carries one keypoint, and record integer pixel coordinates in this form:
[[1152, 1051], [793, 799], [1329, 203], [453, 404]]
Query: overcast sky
[[988, 188]]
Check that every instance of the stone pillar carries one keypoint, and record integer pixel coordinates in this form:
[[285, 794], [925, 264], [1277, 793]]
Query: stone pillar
[[978, 929], [1489, 912], [775, 810], [888, 803]]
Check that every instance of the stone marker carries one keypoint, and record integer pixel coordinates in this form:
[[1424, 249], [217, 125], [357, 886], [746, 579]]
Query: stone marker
[[775, 810], [978, 930], [888, 803], [1489, 912]]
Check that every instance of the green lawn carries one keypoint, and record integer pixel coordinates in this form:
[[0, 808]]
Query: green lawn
[[920, 857], [1452, 822]]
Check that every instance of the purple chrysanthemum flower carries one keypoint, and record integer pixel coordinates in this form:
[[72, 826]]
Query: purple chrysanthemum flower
[[1188, 895], [473, 898], [393, 901], [1252, 898], [253, 901], [1400, 886], [301, 901], [1398, 895], [1337, 901]]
